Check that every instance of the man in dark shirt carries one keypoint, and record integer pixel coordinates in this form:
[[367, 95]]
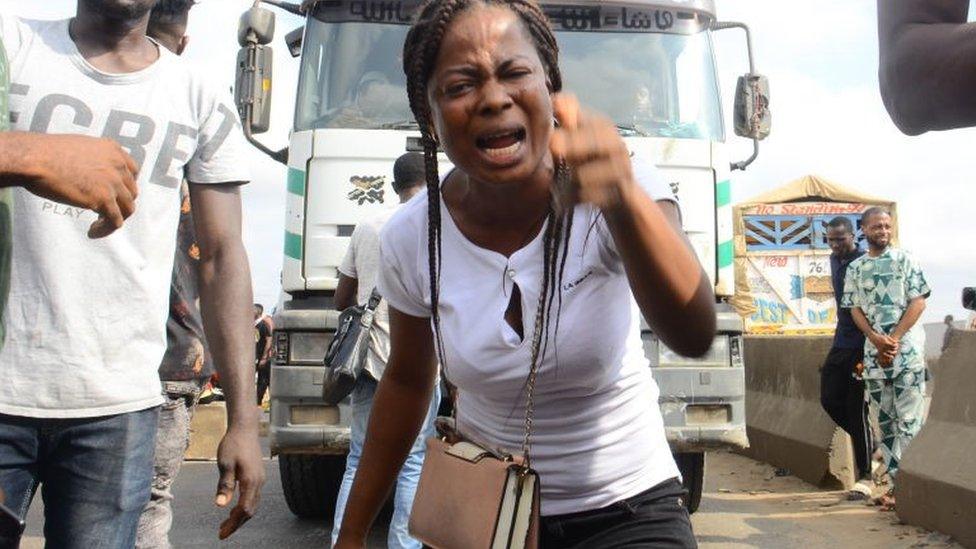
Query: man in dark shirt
[[262, 350], [841, 389]]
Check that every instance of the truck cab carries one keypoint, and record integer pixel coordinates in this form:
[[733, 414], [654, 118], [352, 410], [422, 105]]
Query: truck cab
[[649, 65]]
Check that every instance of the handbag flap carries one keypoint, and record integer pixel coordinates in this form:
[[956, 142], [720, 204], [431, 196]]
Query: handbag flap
[[472, 452], [457, 499]]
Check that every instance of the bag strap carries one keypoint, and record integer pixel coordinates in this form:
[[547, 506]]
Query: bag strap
[[374, 300], [563, 182], [529, 409], [369, 311]]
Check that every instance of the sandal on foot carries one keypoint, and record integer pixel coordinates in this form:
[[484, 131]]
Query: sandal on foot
[[886, 501]]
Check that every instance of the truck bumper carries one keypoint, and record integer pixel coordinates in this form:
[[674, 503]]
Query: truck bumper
[[703, 408], [300, 421]]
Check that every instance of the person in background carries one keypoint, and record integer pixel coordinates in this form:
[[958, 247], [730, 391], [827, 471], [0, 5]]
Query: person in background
[[79, 381], [841, 389], [357, 278], [886, 292], [262, 351], [186, 365], [950, 327]]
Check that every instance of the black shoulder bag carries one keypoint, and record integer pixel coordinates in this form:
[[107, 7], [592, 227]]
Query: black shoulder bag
[[346, 356]]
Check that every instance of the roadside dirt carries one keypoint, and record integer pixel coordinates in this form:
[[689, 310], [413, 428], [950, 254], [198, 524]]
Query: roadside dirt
[[746, 504]]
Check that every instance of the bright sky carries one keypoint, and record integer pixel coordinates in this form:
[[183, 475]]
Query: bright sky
[[828, 120]]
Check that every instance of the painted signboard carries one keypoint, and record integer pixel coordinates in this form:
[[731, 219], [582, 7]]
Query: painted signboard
[[782, 260]]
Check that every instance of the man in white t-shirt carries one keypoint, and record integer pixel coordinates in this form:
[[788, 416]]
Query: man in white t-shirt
[[79, 388], [357, 278]]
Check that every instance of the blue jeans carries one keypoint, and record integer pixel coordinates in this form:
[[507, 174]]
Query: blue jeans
[[94, 475], [362, 403], [172, 440]]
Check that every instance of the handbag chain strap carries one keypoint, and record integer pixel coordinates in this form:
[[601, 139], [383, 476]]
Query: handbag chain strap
[[529, 403], [563, 184]]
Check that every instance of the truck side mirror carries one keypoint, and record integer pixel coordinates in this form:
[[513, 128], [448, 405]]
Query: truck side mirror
[[969, 298], [751, 116], [252, 90], [256, 26], [294, 41]]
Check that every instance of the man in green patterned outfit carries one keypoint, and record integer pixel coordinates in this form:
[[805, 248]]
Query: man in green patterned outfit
[[886, 291]]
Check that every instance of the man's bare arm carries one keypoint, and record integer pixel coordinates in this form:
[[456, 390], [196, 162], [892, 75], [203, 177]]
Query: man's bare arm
[[927, 70], [861, 322], [81, 171], [226, 306], [914, 311], [346, 290]]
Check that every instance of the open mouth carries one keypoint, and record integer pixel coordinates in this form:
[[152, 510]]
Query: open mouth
[[502, 144]]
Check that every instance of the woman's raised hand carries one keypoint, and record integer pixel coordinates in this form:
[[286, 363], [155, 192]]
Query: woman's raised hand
[[595, 153]]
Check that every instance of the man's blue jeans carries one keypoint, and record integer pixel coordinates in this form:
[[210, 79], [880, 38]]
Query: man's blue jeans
[[362, 404], [94, 475]]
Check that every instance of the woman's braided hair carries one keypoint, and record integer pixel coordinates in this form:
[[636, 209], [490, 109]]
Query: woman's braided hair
[[420, 52]]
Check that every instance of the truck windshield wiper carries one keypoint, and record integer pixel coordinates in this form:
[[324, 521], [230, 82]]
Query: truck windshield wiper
[[399, 125], [631, 131]]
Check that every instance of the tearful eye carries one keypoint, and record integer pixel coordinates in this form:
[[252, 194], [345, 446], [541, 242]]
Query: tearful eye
[[456, 89]]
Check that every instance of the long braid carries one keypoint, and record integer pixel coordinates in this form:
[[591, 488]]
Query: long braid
[[434, 239], [564, 217], [420, 52]]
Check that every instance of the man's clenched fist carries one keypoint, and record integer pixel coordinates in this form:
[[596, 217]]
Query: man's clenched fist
[[77, 170]]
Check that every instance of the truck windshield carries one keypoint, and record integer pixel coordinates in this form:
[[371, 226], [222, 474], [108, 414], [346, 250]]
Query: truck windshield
[[650, 84]]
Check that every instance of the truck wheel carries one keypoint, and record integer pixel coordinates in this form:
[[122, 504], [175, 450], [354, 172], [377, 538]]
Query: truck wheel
[[311, 483], [692, 467]]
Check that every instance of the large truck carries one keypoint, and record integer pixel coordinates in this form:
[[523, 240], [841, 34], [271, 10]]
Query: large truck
[[647, 64]]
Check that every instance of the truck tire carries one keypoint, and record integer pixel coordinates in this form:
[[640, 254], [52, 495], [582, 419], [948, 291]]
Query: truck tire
[[311, 483], [692, 467]]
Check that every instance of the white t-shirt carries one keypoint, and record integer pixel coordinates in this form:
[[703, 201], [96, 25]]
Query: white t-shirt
[[86, 319], [362, 262], [598, 436]]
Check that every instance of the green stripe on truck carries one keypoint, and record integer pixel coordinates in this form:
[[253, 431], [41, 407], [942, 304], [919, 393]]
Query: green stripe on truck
[[723, 193], [293, 245], [725, 254], [296, 181]]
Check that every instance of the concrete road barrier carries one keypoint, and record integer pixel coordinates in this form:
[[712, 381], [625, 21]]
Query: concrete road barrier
[[206, 429], [784, 420], [936, 485]]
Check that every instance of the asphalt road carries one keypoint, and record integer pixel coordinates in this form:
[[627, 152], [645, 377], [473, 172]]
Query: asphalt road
[[745, 505]]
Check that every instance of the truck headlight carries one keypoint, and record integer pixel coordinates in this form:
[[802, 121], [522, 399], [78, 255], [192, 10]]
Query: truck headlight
[[301, 348], [309, 348]]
